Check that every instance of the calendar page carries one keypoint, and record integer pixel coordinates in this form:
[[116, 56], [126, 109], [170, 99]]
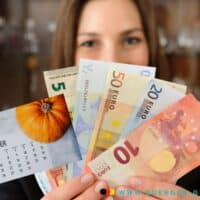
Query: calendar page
[[35, 137]]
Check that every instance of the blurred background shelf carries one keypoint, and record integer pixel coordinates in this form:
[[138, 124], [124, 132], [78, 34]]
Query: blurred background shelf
[[27, 26]]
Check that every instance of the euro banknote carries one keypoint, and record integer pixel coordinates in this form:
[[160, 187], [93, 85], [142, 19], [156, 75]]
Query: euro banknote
[[164, 148], [58, 81], [152, 101], [90, 84], [52, 178], [43, 182], [121, 93], [62, 81]]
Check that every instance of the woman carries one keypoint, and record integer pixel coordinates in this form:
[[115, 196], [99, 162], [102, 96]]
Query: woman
[[67, 39], [112, 30]]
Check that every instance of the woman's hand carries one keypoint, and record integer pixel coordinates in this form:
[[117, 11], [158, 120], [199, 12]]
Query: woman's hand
[[141, 188], [79, 188]]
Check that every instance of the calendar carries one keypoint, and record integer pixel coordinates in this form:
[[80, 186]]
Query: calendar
[[36, 137]]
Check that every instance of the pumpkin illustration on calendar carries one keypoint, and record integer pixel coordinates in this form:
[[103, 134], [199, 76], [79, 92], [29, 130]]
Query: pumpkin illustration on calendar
[[45, 120]]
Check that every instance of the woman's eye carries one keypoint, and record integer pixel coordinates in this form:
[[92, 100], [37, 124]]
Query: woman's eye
[[132, 40], [88, 43]]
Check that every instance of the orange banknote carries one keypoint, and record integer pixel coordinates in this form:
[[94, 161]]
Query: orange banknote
[[166, 147]]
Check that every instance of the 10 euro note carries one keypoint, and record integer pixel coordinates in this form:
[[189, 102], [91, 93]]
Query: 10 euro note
[[36, 136], [121, 93], [165, 148], [90, 85]]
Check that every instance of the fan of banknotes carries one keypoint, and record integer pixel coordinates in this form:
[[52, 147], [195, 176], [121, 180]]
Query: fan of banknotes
[[126, 122]]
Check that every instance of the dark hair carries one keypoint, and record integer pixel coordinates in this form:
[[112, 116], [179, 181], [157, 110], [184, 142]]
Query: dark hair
[[64, 41]]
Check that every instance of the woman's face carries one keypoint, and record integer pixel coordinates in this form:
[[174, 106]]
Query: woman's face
[[111, 30]]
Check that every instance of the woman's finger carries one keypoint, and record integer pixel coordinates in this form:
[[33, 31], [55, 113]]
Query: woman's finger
[[159, 189], [72, 188], [97, 191], [109, 198], [128, 193]]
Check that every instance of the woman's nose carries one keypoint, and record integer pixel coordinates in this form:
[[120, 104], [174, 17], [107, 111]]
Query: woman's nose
[[112, 54]]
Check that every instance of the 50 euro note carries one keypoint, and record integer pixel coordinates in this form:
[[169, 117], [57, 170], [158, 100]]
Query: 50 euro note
[[165, 147], [121, 93], [58, 81], [90, 85]]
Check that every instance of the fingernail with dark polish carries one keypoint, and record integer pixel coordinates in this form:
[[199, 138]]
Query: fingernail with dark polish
[[103, 191], [101, 188]]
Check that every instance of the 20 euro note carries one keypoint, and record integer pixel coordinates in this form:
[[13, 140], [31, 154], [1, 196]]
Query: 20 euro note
[[58, 81], [90, 84], [121, 93], [156, 96], [165, 148], [36, 136]]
